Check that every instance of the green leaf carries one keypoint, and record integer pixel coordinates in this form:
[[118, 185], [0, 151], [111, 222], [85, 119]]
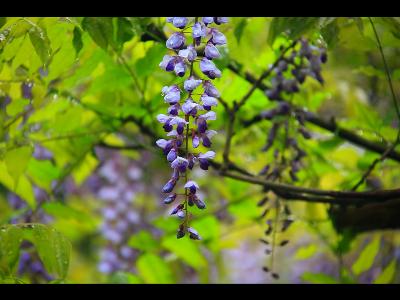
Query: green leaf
[[63, 211], [125, 30], [143, 240], [3, 21], [186, 249], [306, 252], [293, 26], [100, 29], [208, 226], [367, 257], [43, 172], [17, 161], [77, 40], [85, 168], [392, 24], [10, 240], [147, 64], [239, 29], [53, 249], [153, 269], [318, 278], [40, 43], [388, 273], [124, 278], [330, 33]]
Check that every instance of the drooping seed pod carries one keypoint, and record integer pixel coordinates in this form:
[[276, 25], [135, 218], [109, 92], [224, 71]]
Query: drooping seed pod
[[283, 243], [263, 201], [275, 275]]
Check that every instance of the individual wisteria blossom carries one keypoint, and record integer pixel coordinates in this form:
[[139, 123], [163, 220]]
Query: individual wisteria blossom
[[209, 68], [190, 110]]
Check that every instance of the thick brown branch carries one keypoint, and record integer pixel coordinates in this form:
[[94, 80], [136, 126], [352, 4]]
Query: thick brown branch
[[309, 194]]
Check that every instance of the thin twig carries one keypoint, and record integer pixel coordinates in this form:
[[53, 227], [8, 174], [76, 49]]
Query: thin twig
[[264, 75], [396, 105], [376, 161]]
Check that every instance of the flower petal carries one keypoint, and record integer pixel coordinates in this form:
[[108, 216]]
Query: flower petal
[[207, 155]]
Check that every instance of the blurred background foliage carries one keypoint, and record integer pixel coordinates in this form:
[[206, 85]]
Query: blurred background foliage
[[77, 96]]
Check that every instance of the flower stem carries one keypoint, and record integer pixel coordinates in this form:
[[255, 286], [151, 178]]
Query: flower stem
[[187, 118]]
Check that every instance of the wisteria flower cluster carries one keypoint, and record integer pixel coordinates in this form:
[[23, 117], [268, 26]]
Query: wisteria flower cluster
[[276, 227], [190, 108], [120, 218], [290, 72]]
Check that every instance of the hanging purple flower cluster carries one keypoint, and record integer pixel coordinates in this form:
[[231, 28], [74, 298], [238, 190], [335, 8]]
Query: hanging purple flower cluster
[[290, 71], [120, 216], [190, 108]]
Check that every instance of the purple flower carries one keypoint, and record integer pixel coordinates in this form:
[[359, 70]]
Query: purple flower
[[193, 234], [181, 214], [162, 143], [169, 186], [191, 84], [203, 159], [195, 141], [167, 63], [26, 90], [165, 145], [180, 128], [220, 20], [192, 186], [171, 155], [176, 209], [199, 30], [172, 94], [180, 68], [211, 51], [208, 20], [218, 38], [173, 110], [209, 116], [180, 22], [163, 118], [206, 138], [208, 101], [209, 68], [190, 107], [180, 164], [171, 198], [176, 41], [178, 120], [196, 200], [201, 125], [189, 53], [210, 89]]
